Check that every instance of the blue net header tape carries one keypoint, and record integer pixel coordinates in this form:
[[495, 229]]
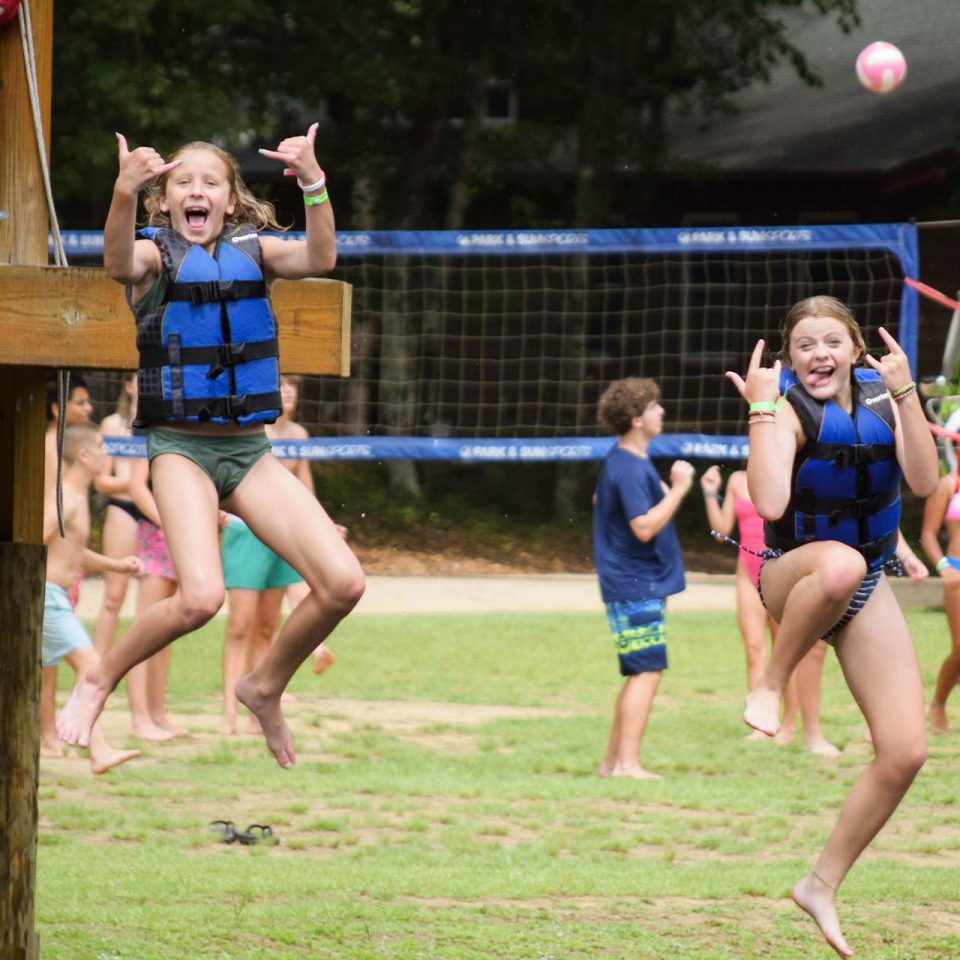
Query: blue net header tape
[[897, 238], [466, 450]]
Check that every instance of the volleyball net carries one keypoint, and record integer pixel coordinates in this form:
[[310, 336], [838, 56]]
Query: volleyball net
[[496, 345]]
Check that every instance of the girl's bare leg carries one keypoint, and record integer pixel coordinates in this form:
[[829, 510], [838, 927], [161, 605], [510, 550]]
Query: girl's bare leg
[[266, 619], [809, 674], [188, 507], [50, 746], [288, 519], [323, 657], [141, 681], [752, 619], [157, 677], [119, 540], [950, 668], [241, 608], [630, 715], [103, 757], [880, 666], [806, 591]]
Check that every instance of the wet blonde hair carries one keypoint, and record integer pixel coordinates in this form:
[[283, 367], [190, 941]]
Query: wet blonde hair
[[623, 400], [820, 307], [247, 209]]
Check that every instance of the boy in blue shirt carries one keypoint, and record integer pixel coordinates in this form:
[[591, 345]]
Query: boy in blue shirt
[[637, 555]]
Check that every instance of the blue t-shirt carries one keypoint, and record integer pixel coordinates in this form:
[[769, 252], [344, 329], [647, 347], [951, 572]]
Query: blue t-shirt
[[629, 569]]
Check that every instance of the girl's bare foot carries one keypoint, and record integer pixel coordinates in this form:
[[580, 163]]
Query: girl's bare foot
[[323, 659], [174, 729], [937, 713], [50, 748], [632, 772], [784, 735], [146, 729], [108, 759], [80, 712], [228, 726], [762, 710], [821, 747], [267, 711], [815, 896], [755, 735]]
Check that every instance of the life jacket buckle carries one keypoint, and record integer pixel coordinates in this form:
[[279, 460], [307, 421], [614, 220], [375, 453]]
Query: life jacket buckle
[[228, 355], [230, 406]]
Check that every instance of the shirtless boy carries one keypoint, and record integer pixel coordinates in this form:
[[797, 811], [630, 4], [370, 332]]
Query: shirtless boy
[[64, 637]]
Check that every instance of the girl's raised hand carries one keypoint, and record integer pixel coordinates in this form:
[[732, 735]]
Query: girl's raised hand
[[893, 367], [298, 155], [141, 166], [710, 481], [761, 383]]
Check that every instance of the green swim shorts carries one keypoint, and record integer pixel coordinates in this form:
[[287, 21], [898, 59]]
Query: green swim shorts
[[225, 460]]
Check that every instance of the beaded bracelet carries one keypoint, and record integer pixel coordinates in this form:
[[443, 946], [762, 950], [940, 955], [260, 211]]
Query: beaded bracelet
[[317, 200], [903, 389], [902, 395]]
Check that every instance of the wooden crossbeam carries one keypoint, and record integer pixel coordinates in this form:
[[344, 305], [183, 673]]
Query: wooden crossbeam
[[78, 317]]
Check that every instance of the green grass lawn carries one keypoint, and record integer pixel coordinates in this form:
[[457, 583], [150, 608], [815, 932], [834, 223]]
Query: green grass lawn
[[445, 806]]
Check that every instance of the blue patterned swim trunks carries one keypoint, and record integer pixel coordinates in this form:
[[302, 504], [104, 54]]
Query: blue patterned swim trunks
[[639, 635]]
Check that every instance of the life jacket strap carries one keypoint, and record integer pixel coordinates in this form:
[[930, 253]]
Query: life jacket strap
[[219, 358], [849, 454], [841, 508], [231, 407], [215, 291], [870, 551]]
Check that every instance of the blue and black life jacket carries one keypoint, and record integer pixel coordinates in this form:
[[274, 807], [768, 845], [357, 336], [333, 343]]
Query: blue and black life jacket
[[846, 479], [207, 335]]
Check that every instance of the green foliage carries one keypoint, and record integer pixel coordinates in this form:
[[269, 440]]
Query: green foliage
[[400, 89]]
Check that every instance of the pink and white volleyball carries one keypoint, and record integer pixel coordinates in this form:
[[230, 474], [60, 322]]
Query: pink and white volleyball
[[881, 67]]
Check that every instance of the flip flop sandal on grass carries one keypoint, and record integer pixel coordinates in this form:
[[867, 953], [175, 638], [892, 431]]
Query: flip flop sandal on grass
[[225, 829], [258, 833]]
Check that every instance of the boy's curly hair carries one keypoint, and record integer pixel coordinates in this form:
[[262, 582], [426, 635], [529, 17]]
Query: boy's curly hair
[[623, 400]]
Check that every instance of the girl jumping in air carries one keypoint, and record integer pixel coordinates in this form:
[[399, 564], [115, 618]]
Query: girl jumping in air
[[824, 471], [198, 282]]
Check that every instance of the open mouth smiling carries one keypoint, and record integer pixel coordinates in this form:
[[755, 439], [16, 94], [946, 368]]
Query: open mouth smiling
[[196, 217]]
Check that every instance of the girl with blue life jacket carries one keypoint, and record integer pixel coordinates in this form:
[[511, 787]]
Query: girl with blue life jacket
[[828, 443], [198, 283]]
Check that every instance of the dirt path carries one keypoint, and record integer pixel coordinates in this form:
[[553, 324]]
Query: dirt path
[[554, 592]]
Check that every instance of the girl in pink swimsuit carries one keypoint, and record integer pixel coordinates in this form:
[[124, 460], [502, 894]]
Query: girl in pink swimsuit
[[752, 617], [942, 511]]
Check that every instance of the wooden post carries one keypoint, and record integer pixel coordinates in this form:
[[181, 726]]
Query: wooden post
[[56, 317], [23, 239]]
